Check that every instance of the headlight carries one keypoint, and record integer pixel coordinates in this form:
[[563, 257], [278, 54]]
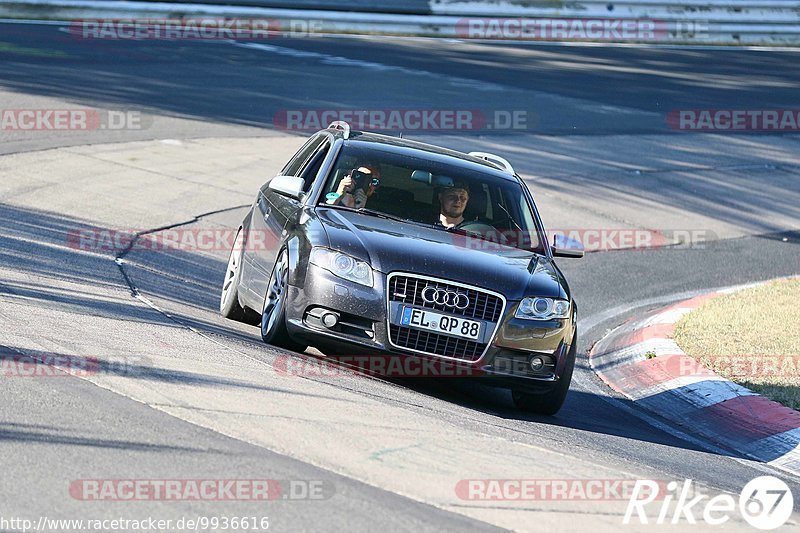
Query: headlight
[[342, 265], [542, 309]]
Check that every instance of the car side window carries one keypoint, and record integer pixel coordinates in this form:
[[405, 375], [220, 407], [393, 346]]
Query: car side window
[[294, 166], [311, 168]]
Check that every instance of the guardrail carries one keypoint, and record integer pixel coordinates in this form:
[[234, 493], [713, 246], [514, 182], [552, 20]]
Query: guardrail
[[773, 22], [409, 7], [708, 21], [756, 11]]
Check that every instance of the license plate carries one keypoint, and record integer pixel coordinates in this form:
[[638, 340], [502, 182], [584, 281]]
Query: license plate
[[452, 325]]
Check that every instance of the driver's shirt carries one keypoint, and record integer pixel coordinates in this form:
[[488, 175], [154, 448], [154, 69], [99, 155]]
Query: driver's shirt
[[438, 222]]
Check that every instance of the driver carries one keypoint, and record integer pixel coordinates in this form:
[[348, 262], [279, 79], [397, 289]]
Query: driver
[[453, 201]]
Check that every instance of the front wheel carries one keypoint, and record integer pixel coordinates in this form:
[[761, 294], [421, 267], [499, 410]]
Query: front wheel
[[550, 403], [229, 306], [273, 316]]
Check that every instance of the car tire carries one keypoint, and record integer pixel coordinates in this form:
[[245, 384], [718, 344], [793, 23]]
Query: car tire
[[229, 306], [273, 314], [550, 403]]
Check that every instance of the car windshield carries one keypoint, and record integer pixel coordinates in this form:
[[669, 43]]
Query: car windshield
[[446, 196]]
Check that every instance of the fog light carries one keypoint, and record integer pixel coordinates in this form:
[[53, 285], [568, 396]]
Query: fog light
[[537, 363], [330, 320]]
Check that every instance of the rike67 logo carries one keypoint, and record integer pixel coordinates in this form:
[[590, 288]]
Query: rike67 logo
[[765, 503]]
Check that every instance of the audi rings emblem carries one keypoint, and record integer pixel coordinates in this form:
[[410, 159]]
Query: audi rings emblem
[[445, 297]]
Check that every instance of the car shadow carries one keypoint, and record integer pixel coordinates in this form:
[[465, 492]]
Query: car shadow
[[22, 363], [582, 413], [10, 432]]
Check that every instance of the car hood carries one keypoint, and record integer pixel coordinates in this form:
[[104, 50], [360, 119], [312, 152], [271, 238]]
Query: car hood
[[391, 246]]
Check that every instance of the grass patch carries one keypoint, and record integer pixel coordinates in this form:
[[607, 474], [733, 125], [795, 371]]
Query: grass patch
[[751, 337]]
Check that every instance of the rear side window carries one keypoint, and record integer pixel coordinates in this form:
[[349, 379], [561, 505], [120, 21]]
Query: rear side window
[[295, 165], [314, 164]]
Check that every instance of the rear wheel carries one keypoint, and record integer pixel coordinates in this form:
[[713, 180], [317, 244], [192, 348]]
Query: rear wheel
[[550, 403], [229, 306], [273, 316]]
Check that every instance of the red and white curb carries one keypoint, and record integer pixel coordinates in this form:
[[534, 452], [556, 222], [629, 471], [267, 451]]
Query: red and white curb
[[683, 390]]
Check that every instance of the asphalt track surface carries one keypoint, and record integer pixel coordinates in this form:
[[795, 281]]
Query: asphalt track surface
[[54, 431]]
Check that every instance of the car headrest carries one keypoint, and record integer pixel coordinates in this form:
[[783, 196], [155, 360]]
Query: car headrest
[[394, 195], [476, 207]]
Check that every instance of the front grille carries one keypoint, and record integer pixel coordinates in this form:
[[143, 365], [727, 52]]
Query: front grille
[[434, 343], [482, 306]]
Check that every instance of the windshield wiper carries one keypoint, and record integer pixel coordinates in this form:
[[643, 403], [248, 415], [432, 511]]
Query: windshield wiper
[[399, 219], [498, 241], [509, 216], [379, 214]]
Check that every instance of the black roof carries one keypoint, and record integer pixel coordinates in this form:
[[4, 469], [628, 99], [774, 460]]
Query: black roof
[[399, 145]]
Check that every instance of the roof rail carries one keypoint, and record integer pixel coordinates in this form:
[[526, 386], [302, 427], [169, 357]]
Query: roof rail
[[341, 125], [496, 160]]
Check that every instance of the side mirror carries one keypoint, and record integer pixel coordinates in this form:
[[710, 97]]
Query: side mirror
[[290, 186], [566, 247]]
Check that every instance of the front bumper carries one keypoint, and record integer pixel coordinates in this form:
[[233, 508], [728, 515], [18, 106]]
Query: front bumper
[[362, 330]]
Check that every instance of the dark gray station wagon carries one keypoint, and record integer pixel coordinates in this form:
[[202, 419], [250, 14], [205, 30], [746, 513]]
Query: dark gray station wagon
[[376, 245]]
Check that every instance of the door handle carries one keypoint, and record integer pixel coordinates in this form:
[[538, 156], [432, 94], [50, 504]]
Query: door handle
[[265, 207]]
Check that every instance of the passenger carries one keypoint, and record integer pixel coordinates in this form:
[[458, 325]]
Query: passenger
[[453, 201], [357, 187]]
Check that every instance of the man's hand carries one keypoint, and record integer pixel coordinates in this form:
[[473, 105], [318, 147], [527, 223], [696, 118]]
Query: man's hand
[[346, 185]]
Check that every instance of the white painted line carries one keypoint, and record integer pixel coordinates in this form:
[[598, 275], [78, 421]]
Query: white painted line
[[690, 393], [775, 444], [670, 316], [698, 391], [738, 288], [370, 65], [788, 462], [589, 323], [35, 22], [659, 346]]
